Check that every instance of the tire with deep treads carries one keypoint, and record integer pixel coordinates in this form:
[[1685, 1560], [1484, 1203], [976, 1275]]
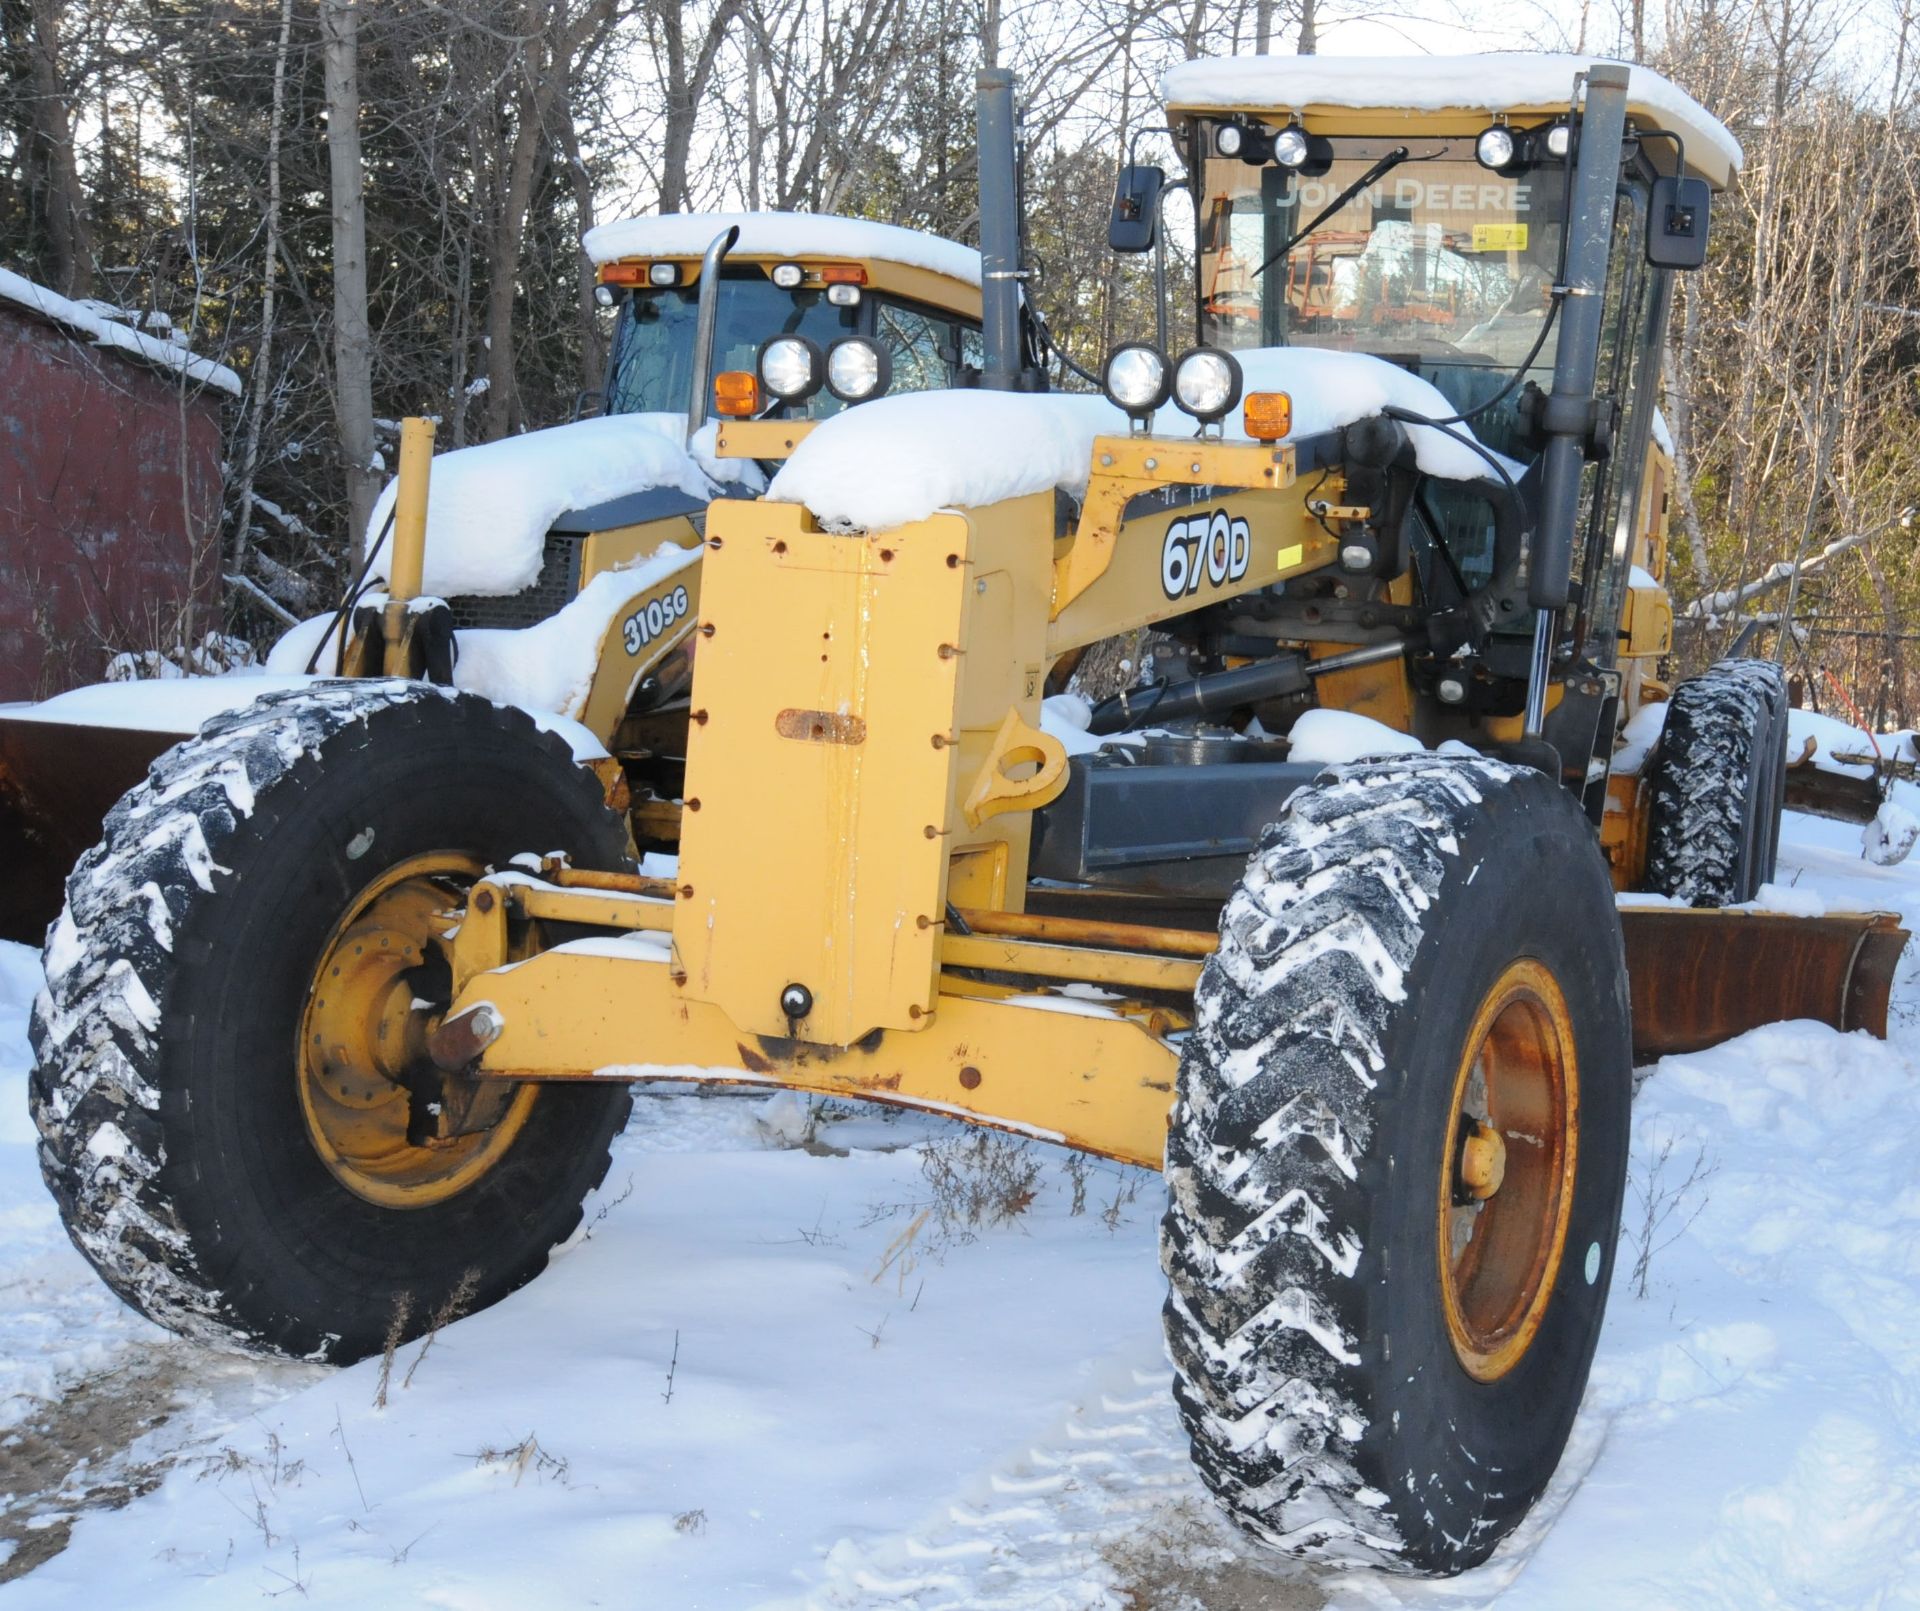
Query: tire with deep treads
[[1327, 1408], [171, 1129], [1717, 784]]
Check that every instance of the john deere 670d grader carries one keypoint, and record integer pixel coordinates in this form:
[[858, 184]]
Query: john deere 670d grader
[[349, 1000]]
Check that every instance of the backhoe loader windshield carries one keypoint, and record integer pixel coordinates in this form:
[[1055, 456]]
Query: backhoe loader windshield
[[653, 343], [1438, 261]]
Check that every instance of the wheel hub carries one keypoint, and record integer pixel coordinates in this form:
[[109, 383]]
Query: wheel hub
[[1507, 1171], [382, 1119], [1483, 1161]]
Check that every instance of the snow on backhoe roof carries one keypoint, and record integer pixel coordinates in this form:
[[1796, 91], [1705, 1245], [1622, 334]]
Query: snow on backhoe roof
[[783, 235], [1495, 82], [897, 460]]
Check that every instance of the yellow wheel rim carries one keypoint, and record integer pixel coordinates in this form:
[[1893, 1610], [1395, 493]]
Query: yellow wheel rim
[[364, 1028], [1507, 1170]]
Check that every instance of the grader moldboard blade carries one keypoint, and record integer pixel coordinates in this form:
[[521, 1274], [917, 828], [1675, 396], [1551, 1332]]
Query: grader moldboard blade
[[57, 782], [1699, 977]]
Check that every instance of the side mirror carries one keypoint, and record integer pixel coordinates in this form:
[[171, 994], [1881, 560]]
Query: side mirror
[[1136, 206], [1678, 212]]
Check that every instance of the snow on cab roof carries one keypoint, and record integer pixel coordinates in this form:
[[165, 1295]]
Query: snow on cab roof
[[1506, 81], [90, 319], [782, 235]]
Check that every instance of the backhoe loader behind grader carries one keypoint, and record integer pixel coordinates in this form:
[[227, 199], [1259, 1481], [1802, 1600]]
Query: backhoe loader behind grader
[[350, 999]]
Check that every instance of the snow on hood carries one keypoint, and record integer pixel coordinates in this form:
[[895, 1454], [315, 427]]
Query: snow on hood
[[782, 235], [550, 665], [1496, 82], [897, 460], [489, 507]]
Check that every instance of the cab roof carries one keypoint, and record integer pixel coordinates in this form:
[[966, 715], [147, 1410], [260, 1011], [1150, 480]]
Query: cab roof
[[784, 235], [1521, 84]]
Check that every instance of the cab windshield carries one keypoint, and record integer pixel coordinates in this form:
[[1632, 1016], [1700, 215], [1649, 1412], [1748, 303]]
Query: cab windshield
[[1437, 263], [652, 366], [653, 344]]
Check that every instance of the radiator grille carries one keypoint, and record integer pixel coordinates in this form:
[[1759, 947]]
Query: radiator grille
[[553, 588]]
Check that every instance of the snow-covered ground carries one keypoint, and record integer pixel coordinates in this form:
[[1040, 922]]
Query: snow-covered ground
[[754, 1382]]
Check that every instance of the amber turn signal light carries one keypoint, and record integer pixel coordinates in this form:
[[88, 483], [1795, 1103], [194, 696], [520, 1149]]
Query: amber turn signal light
[[736, 394], [1268, 416]]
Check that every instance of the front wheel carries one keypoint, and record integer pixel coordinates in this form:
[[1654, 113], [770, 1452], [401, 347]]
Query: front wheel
[[237, 1116], [1396, 1161]]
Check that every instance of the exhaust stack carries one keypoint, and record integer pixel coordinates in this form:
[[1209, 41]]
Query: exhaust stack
[[1001, 273]]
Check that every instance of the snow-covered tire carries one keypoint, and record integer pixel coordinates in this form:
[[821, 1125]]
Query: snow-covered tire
[[1328, 1407], [173, 1133], [1717, 785]]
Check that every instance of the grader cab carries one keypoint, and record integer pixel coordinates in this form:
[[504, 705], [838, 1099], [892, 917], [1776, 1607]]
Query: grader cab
[[349, 1001]]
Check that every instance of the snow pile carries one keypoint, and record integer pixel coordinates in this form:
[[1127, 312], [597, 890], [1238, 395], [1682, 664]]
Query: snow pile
[[1889, 838], [1638, 738], [897, 460], [803, 235], [489, 507], [1500, 82], [1332, 737], [95, 321], [1833, 737], [170, 705], [549, 666]]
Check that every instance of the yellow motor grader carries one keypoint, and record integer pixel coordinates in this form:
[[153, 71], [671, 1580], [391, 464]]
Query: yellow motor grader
[[1328, 923]]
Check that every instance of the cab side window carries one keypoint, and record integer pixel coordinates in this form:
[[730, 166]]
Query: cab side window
[[925, 346]]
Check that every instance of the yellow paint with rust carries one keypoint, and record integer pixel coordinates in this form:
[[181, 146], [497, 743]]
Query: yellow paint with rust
[[1098, 1083], [802, 629]]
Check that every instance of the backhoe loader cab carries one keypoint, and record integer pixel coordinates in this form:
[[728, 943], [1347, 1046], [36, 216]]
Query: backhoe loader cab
[[348, 1002], [520, 532], [813, 275]]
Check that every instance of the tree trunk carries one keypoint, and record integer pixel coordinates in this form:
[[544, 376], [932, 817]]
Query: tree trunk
[[352, 339], [261, 374], [68, 236]]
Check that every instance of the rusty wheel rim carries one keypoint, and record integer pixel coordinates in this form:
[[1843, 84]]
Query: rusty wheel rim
[[363, 1026], [1507, 1170]]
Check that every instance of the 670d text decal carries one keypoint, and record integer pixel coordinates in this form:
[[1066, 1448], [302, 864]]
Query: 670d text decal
[[1215, 546]]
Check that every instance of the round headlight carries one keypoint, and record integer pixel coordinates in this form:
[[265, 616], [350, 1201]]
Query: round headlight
[[788, 275], [1136, 379], [1290, 147], [1229, 139], [1206, 383], [1559, 140], [858, 369], [1495, 147], [663, 274], [791, 368], [603, 294]]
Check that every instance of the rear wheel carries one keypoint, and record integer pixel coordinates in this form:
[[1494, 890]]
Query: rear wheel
[[238, 1118], [1396, 1161], [1718, 783]]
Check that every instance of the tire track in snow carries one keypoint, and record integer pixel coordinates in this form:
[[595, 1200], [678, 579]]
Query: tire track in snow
[[1066, 1525]]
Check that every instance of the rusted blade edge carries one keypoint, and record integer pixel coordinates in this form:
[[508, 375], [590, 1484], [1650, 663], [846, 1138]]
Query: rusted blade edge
[[1699, 977]]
